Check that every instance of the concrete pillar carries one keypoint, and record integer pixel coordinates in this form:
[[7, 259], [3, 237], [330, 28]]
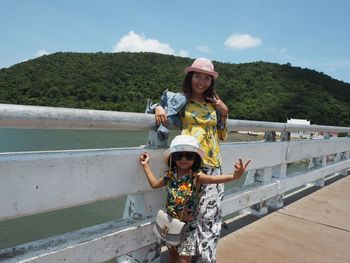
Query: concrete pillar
[[285, 136], [320, 182], [322, 162], [261, 176], [279, 172], [249, 179], [153, 141], [344, 156], [347, 155], [270, 136], [326, 135]]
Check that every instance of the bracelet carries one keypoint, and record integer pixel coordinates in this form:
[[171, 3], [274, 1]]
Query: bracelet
[[225, 116]]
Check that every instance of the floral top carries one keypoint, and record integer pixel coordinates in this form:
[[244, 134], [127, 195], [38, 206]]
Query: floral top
[[200, 121], [181, 194]]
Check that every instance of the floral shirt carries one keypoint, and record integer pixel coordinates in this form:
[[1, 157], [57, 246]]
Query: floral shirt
[[181, 194], [200, 121]]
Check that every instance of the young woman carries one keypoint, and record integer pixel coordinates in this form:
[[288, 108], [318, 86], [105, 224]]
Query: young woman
[[183, 179], [204, 117]]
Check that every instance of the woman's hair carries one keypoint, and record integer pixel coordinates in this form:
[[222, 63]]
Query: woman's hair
[[187, 86], [195, 167]]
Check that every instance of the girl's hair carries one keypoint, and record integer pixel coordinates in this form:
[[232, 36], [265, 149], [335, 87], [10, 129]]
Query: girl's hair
[[195, 167], [187, 86]]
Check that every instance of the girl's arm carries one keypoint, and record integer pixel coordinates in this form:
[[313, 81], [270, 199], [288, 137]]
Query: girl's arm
[[238, 172], [153, 181]]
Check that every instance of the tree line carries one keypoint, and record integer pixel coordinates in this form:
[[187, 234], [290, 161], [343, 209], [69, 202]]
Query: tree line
[[123, 82]]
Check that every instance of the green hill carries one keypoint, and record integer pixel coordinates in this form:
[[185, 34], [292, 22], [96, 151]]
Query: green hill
[[124, 81]]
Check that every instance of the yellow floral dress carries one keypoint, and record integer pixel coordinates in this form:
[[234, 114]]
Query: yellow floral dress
[[200, 121]]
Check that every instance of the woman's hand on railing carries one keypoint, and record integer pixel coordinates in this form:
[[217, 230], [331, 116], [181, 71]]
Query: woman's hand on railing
[[239, 168], [161, 117]]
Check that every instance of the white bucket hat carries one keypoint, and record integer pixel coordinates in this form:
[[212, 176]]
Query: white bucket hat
[[183, 143]]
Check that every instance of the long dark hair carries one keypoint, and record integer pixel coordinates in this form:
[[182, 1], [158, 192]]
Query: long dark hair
[[187, 87], [195, 167]]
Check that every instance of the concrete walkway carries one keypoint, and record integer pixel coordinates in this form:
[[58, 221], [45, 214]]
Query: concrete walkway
[[316, 228]]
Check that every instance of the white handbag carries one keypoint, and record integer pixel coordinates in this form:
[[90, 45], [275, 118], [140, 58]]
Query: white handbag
[[170, 230]]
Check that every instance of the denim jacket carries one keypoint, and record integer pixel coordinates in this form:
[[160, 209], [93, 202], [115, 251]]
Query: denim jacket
[[172, 103]]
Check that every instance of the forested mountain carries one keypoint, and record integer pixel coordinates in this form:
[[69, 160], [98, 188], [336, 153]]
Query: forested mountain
[[124, 81]]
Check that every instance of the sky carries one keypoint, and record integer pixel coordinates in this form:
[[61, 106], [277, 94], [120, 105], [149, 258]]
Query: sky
[[310, 34]]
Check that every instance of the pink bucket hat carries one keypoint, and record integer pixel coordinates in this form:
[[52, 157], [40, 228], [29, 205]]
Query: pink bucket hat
[[203, 65]]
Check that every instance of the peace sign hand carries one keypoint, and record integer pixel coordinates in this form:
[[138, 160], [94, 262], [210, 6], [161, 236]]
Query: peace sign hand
[[239, 168], [219, 105]]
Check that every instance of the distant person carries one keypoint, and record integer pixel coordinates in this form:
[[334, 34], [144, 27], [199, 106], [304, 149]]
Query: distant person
[[201, 113], [183, 181]]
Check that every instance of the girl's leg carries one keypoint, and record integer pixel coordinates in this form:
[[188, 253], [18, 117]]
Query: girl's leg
[[173, 255], [188, 247], [209, 223], [185, 259]]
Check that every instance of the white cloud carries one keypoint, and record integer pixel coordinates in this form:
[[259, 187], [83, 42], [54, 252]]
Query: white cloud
[[133, 42], [41, 52], [242, 41], [204, 49], [183, 53]]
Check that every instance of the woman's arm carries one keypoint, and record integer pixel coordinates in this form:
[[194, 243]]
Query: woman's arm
[[239, 169], [153, 181], [222, 128]]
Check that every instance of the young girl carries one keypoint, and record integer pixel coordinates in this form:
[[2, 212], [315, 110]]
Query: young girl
[[204, 117], [183, 181]]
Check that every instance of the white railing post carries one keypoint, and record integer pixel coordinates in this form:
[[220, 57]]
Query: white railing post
[[142, 206], [323, 163], [285, 136], [279, 172], [153, 141], [342, 156], [262, 176], [347, 157], [250, 178]]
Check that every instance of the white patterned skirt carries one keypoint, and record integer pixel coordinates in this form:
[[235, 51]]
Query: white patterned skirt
[[209, 218]]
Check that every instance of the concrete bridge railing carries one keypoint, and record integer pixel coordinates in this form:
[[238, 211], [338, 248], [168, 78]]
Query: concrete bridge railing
[[36, 182]]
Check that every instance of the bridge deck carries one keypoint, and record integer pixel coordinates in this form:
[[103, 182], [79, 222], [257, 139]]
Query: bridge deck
[[315, 228]]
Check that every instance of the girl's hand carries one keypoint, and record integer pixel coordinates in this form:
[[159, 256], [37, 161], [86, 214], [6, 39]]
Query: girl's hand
[[161, 117], [219, 105], [144, 158], [239, 168]]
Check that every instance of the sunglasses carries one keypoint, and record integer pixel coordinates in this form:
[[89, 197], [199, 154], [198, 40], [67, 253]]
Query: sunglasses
[[190, 156]]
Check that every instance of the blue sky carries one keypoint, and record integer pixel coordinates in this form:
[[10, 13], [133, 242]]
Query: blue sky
[[306, 33]]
